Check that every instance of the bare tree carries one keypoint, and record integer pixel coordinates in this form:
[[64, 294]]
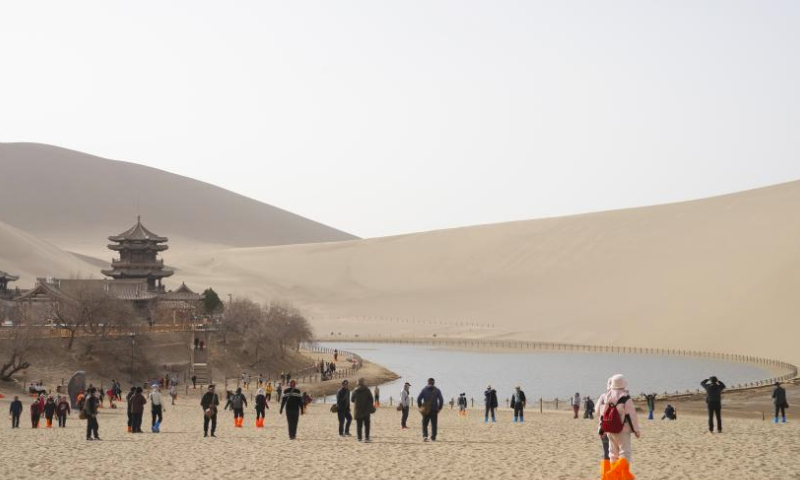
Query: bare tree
[[16, 352], [241, 316], [288, 325], [88, 307]]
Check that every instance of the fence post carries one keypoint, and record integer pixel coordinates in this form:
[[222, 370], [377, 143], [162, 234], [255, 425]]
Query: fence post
[[541, 405]]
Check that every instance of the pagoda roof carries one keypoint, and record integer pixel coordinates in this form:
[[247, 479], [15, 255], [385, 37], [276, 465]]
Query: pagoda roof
[[63, 289], [8, 277], [123, 272], [137, 232], [182, 293]]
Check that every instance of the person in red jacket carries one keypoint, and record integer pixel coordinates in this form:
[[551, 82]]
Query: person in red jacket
[[36, 413], [62, 410]]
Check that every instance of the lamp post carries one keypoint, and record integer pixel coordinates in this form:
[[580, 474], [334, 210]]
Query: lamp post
[[133, 344]]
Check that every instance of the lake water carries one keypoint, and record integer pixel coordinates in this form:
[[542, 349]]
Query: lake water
[[541, 374]]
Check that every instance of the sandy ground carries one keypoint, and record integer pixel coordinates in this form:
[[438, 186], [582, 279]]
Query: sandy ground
[[547, 446]]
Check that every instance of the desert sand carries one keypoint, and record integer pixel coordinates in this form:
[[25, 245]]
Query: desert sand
[[547, 446]]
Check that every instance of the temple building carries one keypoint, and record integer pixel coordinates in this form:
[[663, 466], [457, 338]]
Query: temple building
[[138, 250], [5, 278]]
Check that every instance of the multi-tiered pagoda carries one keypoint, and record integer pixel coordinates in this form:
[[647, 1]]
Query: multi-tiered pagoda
[[138, 248], [4, 279]]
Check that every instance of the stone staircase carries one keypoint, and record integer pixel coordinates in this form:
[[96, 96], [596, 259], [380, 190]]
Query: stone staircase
[[200, 365]]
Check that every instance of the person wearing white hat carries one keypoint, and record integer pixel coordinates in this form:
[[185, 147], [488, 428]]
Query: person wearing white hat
[[618, 420]]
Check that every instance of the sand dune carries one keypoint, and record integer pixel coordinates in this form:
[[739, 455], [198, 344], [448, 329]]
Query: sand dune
[[714, 274], [76, 200], [717, 274], [29, 257]]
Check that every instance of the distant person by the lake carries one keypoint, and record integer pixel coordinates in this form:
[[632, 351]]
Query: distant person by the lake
[[670, 413], [210, 404], [363, 408], [575, 401], [714, 387], [651, 404], [405, 405], [518, 403], [490, 401], [343, 409], [377, 396], [588, 408], [618, 420], [462, 405], [430, 403], [779, 399], [293, 404], [15, 410]]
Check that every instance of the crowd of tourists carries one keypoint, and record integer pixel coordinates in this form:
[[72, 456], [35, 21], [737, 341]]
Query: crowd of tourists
[[616, 414]]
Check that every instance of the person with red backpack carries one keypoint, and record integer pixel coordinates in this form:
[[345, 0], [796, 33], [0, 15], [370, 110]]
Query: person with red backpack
[[618, 420]]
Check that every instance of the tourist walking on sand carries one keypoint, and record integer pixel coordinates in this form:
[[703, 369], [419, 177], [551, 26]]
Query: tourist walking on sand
[[15, 410], [377, 396], [588, 408], [293, 404], [62, 410], [779, 399], [268, 392], [575, 401], [405, 405], [173, 393], [156, 409], [618, 421], [237, 402], [210, 404], [343, 409], [137, 402], [363, 408], [194, 381], [430, 402], [490, 399], [130, 415], [462, 405], [518, 402], [261, 407], [90, 407], [49, 411], [713, 388], [279, 392], [36, 413]]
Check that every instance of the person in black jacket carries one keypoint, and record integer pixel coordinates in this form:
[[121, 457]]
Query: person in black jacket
[[49, 411], [518, 404], [237, 402], [36, 413], [261, 407], [490, 398], [130, 415], [779, 398], [91, 404], [714, 389], [16, 411], [343, 409], [293, 403], [210, 404]]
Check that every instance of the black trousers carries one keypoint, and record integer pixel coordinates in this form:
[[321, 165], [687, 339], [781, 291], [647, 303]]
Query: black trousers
[[362, 424], [158, 414], [782, 410], [62, 421], [260, 412], [292, 418], [35, 421], [136, 422], [15, 421], [432, 419], [518, 412], [714, 410], [238, 412], [130, 418], [489, 410], [212, 420], [404, 417], [92, 427], [345, 419]]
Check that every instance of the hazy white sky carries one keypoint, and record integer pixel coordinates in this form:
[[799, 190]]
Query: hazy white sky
[[390, 117]]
